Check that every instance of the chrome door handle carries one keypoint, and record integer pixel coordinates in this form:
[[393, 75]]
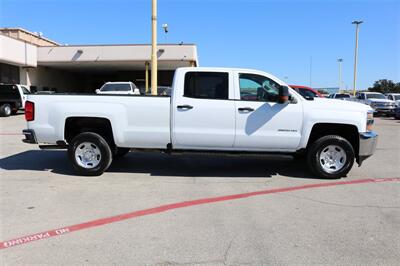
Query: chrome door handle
[[246, 109], [185, 106]]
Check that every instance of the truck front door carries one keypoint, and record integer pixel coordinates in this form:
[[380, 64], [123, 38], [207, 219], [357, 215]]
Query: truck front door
[[204, 116], [262, 124]]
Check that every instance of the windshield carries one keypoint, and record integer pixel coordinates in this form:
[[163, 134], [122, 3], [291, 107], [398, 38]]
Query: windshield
[[341, 96], [25, 90], [396, 97], [375, 96], [116, 87], [307, 93]]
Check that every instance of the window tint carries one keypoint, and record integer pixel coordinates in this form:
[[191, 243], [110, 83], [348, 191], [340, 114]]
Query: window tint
[[206, 85], [342, 95], [116, 87], [258, 88], [307, 93], [25, 90], [375, 96]]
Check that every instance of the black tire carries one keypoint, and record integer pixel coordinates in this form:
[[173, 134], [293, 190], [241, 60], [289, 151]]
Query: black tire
[[315, 162], [5, 110], [120, 152], [101, 146]]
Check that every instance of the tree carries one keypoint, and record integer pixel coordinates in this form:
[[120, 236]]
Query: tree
[[385, 86]]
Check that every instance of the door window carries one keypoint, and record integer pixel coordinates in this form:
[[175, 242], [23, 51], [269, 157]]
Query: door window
[[25, 90], [207, 85], [255, 87]]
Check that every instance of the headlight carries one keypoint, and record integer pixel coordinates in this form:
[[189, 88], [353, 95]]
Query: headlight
[[370, 120]]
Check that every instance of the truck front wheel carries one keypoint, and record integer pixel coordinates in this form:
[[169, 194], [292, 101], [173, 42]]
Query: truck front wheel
[[90, 154], [331, 156]]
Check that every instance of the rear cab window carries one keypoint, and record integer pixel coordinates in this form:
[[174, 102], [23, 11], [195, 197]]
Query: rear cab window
[[207, 85]]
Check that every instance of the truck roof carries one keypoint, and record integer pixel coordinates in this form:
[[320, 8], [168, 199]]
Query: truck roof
[[370, 92], [219, 69]]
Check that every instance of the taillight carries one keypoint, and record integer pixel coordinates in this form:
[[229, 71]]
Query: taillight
[[29, 111]]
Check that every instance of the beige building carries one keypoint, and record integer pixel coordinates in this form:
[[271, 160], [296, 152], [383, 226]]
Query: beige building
[[29, 37], [30, 59]]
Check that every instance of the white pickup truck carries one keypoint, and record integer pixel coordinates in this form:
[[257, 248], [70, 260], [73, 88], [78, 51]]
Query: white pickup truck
[[211, 110], [377, 101]]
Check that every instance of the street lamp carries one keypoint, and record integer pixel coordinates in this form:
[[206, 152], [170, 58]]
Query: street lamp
[[340, 60], [165, 28], [357, 23]]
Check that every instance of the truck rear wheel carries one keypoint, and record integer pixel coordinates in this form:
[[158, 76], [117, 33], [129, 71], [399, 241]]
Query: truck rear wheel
[[5, 110], [331, 156], [90, 154]]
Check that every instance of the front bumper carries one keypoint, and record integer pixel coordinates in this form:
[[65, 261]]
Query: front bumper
[[385, 110], [30, 136], [368, 141]]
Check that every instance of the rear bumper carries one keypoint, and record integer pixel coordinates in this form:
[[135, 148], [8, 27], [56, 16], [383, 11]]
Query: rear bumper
[[368, 142], [30, 136]]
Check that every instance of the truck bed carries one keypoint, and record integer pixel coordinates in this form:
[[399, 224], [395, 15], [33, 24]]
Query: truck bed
[[137, 121]]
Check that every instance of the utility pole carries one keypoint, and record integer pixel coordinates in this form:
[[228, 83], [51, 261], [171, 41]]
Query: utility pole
[[311, 71], [154, 47], [357, 23], [340, 60]]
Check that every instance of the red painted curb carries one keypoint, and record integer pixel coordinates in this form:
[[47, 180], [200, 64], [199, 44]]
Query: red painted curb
[[163, 208]]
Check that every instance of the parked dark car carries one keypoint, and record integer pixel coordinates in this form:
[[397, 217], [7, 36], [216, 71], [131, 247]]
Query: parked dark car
[[12, 98]]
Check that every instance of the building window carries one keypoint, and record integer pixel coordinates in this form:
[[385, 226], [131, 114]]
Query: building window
[[207, 85], [9, 74]]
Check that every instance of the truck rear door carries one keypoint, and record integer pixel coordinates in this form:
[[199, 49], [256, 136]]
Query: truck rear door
[[203, 112]]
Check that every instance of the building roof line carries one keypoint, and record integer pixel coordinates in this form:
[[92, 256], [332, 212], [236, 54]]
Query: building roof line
[[127, 44], [30, 33]]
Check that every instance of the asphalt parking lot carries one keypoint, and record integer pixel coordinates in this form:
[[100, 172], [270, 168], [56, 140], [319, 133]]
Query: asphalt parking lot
[[292, 221]]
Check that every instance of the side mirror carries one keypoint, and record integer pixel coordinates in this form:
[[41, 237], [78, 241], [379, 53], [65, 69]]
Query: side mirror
[[97, 91], [283, 94]]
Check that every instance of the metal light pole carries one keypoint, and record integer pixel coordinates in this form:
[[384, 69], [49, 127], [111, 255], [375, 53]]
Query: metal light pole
[[357, 23], [154, 47], [340, 60], [310, 71]]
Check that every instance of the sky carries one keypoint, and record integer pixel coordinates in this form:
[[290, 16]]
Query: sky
[[289, 39]]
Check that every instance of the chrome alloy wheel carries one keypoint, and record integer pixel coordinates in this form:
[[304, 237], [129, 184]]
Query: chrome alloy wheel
[[332, 158], [7, 110], [87, 155]]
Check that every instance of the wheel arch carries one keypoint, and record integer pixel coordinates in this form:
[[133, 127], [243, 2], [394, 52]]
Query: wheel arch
[[100, 125], [347, 131]]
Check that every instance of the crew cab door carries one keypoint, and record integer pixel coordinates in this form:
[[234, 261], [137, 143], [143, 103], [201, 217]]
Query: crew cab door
[[261, 122], [203, 114]]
